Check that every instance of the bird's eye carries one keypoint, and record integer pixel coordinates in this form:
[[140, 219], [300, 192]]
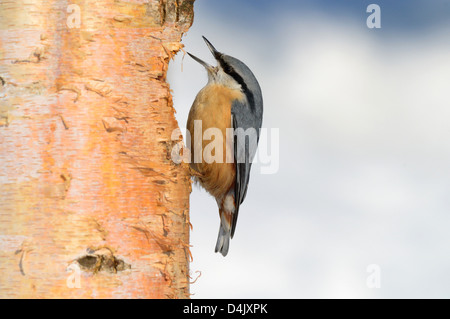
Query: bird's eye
[[228, 69]]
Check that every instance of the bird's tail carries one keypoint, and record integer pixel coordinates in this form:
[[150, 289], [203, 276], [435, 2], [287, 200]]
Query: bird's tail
[[223, 240]]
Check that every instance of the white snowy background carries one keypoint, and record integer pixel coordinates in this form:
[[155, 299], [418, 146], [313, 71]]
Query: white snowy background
[[364, 150]]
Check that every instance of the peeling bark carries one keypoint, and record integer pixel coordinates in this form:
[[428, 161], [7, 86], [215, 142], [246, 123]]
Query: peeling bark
[[89, 193]]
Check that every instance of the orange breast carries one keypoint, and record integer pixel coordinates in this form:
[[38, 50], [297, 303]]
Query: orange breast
[[213, 107]]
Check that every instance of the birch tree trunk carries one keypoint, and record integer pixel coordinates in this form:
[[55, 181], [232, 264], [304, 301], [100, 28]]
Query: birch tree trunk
[[91, 204]]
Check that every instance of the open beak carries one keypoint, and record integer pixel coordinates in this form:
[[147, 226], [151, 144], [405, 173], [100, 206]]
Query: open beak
[[214, 52], [206, 65], [212, 48]]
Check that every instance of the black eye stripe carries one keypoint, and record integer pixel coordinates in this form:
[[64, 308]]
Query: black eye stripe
[[231, 72]]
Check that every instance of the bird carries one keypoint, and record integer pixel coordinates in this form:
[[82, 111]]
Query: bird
[[230, 104]]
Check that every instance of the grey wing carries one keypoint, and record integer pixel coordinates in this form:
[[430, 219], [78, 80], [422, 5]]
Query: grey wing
[[246, 125]]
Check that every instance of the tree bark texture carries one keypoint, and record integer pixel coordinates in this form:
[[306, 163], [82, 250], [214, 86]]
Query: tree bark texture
[[91, 204]]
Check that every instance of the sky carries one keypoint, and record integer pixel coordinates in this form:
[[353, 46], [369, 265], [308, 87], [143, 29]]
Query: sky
[[356, 201]]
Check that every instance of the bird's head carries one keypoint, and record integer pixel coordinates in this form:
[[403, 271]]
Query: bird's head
[[220, 74], [233, 74]]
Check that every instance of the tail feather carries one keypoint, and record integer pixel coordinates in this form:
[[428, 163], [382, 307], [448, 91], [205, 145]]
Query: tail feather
[[223, 241], [227, 223]]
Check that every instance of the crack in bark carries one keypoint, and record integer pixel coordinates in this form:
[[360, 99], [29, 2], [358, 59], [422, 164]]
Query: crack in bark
[[102, 259]]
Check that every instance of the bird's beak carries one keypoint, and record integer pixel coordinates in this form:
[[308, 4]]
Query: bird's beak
[[206, 65], [212, 48], [214, 52]]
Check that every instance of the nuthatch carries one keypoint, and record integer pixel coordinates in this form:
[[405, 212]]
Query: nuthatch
[[231, 101]]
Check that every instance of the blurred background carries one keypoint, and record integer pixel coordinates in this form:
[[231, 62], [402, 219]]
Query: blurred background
[[362, 190]]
